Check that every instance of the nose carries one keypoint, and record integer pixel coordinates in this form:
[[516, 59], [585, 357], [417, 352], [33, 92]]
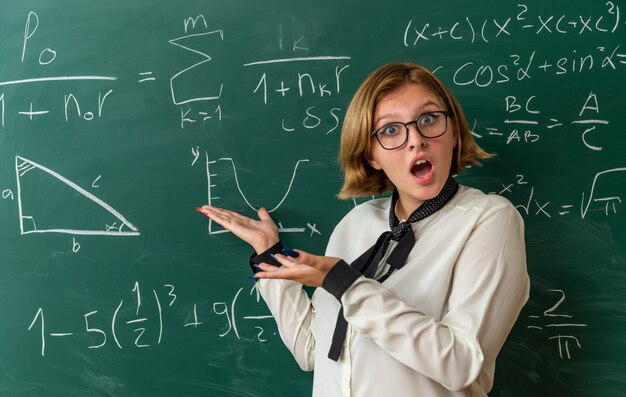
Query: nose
[[414, 139]]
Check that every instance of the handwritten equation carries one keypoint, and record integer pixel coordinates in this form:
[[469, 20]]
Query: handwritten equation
[[129, 318], [562, 324], [522, 20], [199, 104], [72, 105], [522, 67], [593, 199], [85, 107], [317, 116], [526, 123], [525, 65]]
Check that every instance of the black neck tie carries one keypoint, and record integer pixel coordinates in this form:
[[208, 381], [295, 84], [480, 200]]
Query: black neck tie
[[369, 261]]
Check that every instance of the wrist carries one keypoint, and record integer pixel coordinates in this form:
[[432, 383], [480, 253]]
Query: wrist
[[263, 246], [339, 278], [266, 256]]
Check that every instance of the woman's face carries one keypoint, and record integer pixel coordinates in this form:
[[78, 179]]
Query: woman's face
[[420, 168]]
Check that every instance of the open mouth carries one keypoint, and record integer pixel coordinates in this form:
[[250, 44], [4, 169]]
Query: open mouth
[[421, 168]]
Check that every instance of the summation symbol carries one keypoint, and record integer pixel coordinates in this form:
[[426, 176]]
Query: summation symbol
[[205, 58]]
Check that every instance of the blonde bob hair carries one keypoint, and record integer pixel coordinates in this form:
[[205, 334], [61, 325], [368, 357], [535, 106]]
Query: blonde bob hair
[[360, 178]]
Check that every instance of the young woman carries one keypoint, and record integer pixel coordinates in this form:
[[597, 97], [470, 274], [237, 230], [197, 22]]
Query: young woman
[[418, 292]]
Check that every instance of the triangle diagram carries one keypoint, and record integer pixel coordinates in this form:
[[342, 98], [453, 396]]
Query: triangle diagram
[[50, 203]]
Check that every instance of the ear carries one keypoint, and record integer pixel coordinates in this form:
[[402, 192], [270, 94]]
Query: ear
[[373, 163]]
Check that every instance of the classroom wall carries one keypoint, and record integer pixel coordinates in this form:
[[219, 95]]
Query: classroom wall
[[117, 118]]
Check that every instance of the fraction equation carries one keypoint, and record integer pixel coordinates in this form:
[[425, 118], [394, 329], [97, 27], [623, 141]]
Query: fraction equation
[[139, 321], [562, 327]]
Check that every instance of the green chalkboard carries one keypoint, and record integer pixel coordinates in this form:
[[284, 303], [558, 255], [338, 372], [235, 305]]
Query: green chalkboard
[[117, 118]]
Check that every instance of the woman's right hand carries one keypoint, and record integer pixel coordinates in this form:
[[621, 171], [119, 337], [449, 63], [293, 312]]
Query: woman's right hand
[[260, 234]]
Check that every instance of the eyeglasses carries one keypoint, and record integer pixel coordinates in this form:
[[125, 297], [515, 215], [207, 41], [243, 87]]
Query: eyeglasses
[[429, 125]]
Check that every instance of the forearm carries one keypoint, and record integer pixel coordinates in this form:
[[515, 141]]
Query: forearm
[[294, 316], [435, 349], [449, 342], [406, 333]]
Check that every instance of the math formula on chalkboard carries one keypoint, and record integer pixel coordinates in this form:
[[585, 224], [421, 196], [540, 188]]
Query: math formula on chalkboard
[[117, 119], [145, 323]]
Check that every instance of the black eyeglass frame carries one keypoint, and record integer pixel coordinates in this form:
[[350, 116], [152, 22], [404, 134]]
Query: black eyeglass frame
[[406, 129]]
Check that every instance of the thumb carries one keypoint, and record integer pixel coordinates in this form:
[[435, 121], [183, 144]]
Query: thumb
[[264, 215]]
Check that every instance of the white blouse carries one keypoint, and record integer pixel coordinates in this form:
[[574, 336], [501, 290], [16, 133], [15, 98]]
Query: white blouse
[[434, 327]]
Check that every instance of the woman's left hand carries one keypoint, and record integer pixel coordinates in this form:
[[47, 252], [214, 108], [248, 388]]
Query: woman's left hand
[[305, 269]]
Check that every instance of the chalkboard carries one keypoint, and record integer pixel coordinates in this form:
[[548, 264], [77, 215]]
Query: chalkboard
[[117, 118]]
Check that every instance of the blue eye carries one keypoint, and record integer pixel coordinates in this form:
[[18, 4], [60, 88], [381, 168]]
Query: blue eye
[[389, 130], [428, 118]]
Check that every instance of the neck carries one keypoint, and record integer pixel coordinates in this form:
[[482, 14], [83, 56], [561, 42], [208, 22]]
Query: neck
[[403, 211]]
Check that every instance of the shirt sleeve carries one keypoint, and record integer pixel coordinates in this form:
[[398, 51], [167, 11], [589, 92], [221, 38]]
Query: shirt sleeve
[[489, 287], [294, 312], [294, 315]]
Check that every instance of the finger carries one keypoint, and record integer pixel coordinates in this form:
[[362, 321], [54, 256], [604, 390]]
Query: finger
[[285, 260], [216, 217], [291, 253], [304, 257], [280, 273], [209, 212], [219, 213], [266, 267], [226, 214], [264, 215], [228, 219], [232, 225]]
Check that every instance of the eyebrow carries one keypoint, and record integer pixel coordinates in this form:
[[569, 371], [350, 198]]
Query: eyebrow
[[393, 115]]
